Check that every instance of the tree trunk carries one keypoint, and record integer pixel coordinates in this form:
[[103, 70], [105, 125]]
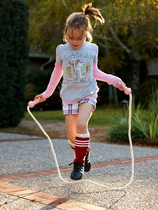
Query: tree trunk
[[135, 76]]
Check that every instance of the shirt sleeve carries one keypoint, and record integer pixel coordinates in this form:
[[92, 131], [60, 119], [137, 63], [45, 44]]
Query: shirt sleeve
[[58, 57], [54, 80], [101, 76], [95, 58]]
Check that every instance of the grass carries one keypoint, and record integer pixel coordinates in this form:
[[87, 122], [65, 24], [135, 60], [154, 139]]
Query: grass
[[45, 115], [108, 116], [102, 119]]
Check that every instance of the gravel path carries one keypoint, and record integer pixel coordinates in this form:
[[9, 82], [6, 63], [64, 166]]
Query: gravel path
[[142, 194], [11, 136], [27, 156]]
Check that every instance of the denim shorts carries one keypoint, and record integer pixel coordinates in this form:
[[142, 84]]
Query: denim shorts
[[74, 107]]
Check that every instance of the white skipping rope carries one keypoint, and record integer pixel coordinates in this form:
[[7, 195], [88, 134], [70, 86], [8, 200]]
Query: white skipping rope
[[84, 180]]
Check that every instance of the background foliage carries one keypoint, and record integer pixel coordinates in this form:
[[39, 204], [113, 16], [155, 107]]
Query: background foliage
[[128, 37], [144, 93], [37, 81], [144, 124], [13, 60]]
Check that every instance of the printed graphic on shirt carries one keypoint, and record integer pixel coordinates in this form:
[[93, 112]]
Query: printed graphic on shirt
[[68, 71], [76, 70]]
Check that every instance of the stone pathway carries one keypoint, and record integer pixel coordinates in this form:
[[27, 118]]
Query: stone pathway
[[43, 190]]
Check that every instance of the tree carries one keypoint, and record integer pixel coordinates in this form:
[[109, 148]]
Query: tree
[[129, 34], [130, 30], [13, 60], [47, 20]]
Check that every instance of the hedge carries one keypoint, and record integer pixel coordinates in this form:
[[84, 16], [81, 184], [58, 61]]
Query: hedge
[[13, 60]]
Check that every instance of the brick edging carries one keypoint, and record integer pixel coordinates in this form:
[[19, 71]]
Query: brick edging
[[52, 200], [44, 198], [47, 172]]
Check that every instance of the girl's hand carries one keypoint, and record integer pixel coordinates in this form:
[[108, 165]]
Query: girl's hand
[[120, 85], [40, 97]]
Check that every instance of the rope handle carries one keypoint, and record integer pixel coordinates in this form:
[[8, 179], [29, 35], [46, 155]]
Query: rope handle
[[127, 90], [31, 104]]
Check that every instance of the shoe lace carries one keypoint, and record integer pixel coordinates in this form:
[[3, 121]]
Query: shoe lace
[[77, 165], [71, 163]]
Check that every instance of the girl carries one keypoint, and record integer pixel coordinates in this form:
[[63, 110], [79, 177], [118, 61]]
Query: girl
[[76, 61]]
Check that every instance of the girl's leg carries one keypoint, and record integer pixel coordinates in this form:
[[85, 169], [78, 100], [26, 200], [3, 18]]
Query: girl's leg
[[82, 141], [85, 111], [78, 123], [70, 120]]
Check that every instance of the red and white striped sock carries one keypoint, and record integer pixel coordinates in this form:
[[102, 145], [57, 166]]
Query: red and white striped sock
[[82, 143]]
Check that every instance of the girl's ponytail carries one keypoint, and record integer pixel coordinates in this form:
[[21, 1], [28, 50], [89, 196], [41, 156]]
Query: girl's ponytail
[[89, 10]]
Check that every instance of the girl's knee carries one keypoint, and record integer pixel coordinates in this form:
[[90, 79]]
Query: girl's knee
[[81, 127]]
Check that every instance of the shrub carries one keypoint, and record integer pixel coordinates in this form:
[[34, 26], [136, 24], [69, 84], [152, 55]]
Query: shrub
[[144, 124], [13, 60], [119, 133], [149, 125], [144, 92]]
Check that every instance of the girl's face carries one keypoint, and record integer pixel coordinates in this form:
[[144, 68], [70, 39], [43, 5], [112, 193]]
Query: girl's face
[[75, 37]]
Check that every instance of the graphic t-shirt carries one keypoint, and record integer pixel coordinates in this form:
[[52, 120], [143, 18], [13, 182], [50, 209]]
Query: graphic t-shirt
[[78, 81]]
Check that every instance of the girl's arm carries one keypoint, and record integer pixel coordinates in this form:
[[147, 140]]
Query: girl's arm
[[54, 80], [110, 79]]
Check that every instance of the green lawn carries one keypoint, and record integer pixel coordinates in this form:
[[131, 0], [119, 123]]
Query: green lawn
[[108, 116], [105, 117]]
